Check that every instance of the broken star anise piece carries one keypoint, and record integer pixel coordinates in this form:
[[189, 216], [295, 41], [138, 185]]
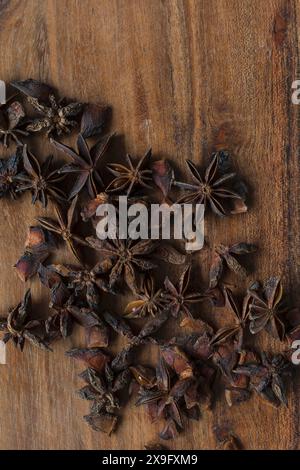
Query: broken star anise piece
[[104, 422], [84, 164], [267, 378], [57, 117], [64, 227], [11, 123], [235, 331], [9, 173], [178, 297], [126, 178], [266, 307], [94, 119], [149, 300], [40, 179], [224, 256], [38, 246], [125, 256], [163, 176], [89, 209], [19, 328], [210, 189]]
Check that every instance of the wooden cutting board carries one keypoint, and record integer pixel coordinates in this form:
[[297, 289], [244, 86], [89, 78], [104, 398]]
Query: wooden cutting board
[[186, 78]]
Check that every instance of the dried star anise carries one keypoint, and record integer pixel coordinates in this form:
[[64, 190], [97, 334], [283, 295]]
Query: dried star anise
[[57, 117], [64, 227], [175, 392], [102, 389], [149, 300], [66, 313], [212, 188], [9, 173], [19, 328], [267, 378], [158, 394], [38, 246], [125, 257], [104, 378], [40, 179], [266, 308], [69, 310], [11, 121], [178, 297], [126, 178], [86, 282], [224, 255], [84, 164], [235, 331]]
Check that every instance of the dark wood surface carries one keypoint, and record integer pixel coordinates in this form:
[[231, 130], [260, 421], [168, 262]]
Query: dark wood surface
[[184, 77]]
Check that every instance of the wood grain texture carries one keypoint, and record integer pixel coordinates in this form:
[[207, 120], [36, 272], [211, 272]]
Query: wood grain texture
[[184, 77]]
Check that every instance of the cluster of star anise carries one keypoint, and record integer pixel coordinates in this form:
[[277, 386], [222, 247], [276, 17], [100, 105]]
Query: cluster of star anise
[[189, 365]]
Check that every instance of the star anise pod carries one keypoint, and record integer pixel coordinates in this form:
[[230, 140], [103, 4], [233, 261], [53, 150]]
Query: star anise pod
[[235, 331], [224, 256], [63, 227], [149, 300], [178, 297], [162, 399], [175, 393], [103, 382], [66, 313], [40, 179], [38, 246], [56, 116], [126, 178], [9, 172], [11, 121], [100, 389], [266, 307], [267, 377], [86, 282], [70, 309], [84, 164], [126, 257], [210, 189], [19, 328]]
